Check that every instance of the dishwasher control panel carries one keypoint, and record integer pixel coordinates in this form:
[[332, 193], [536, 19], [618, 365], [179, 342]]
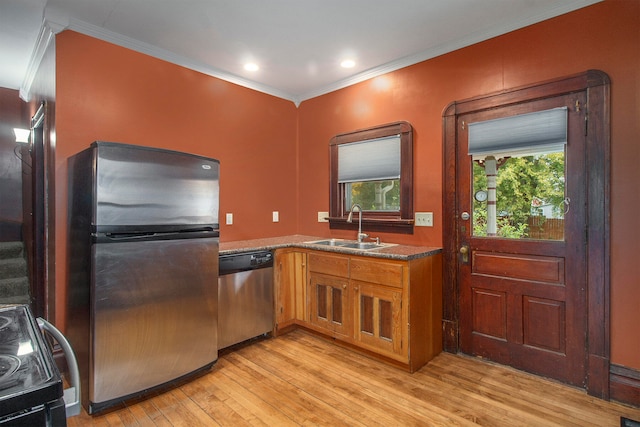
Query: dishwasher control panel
[[233, 263], [262, 258]]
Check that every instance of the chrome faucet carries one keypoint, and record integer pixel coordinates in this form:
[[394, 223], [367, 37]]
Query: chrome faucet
[[361, 235]]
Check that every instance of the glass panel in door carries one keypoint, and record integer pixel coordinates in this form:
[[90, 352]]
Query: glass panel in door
[[528, 194]]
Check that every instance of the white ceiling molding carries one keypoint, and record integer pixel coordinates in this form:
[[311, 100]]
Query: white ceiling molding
[[45, 38], [59, 20], [165, 55], [446, 48]]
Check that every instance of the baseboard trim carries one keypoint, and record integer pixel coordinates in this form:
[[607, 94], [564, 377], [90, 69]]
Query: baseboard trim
[[624, 384]]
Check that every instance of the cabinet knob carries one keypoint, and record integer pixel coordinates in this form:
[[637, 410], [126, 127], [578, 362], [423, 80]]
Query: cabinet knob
[[344, 286]]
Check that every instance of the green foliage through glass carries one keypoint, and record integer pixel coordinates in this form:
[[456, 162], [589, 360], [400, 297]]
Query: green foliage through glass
[[374, 195], [530, 194]]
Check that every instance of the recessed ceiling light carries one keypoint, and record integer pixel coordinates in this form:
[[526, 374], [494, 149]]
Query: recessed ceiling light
[[251, 66], [348, 63]]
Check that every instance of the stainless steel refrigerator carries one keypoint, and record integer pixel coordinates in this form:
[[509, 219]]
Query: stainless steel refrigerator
[[143, 269]]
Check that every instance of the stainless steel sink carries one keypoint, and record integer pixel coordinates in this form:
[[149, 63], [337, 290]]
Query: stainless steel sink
[[350, 244], [362, 245], [329, 242]]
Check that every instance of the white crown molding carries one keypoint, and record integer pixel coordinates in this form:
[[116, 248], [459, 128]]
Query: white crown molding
[[55, 22], [165, 55], [44, 40], [442, 49]]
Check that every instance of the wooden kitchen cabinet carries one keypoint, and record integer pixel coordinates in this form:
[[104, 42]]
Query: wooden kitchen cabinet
[[391, 308], [290, 272], [380, 318], [329, 304], [379, 324], [328, 299]]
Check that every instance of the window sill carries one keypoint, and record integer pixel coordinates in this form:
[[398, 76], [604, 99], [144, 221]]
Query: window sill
[[385, 225]]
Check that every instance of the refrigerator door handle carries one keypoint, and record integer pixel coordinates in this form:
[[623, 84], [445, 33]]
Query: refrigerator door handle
[[162, 235]]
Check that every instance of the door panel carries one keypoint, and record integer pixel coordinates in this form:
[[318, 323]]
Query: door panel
[[378, 317], [522, 300], [525, 267], [329, 305], [540, 311], [490, 313]]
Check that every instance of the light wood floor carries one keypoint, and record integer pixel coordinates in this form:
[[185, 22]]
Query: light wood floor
[[300, 379]]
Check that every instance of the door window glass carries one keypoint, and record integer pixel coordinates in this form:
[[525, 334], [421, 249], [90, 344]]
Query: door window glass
[[528, 195]]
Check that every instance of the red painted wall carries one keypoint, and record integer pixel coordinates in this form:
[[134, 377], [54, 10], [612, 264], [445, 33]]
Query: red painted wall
[[105, 92], [275, 157], [604, 36]]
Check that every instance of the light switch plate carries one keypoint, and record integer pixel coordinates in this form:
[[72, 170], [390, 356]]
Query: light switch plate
[[276, 216], [424, 219], [323, 216], [229, 218]]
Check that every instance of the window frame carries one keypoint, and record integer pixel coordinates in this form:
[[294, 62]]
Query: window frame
[[401, 221]]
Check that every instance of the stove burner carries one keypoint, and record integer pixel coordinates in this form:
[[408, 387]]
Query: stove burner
[[4, 322], [8, 365]]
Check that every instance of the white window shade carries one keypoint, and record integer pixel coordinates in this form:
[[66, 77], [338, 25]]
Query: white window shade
[[370, 160], [521, 135]]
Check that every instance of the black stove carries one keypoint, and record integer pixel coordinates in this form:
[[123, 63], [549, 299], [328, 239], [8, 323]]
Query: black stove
[[31, 391]]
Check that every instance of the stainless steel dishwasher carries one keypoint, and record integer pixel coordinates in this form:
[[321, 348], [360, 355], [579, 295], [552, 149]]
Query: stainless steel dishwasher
[[245, 297]]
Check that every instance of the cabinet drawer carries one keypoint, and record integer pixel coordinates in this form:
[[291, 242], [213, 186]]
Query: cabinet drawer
[[328, 264], [380, 272]]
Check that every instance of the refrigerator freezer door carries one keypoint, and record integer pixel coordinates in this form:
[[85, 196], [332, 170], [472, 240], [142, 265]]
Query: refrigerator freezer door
[[142, 187], [154, 314]]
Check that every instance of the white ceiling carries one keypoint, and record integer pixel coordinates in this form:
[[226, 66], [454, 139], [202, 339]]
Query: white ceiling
[[298, 44]]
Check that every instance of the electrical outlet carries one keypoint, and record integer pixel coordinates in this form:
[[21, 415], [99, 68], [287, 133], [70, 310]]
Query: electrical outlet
[[323, 216], [424, 219], [276, 216], [229, 218]]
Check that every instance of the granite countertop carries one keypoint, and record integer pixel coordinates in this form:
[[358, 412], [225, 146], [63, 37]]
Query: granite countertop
[[400, 252]]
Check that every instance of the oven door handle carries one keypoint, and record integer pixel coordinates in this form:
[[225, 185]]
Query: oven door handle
[[72, 394]]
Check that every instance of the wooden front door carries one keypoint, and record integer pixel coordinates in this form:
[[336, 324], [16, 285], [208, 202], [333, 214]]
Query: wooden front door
[[535, 305], [522, 295]]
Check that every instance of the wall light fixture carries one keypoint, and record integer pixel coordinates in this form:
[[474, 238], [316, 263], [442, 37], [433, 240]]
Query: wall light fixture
[[22, 135]]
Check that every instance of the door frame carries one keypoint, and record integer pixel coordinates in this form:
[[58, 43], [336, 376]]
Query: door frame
[[596, 85], [38, 220]]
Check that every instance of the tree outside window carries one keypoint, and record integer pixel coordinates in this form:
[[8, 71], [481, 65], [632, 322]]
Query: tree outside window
[[530, 197]]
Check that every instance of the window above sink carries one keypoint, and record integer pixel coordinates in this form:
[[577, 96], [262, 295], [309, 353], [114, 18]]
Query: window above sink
[[373, 167]]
